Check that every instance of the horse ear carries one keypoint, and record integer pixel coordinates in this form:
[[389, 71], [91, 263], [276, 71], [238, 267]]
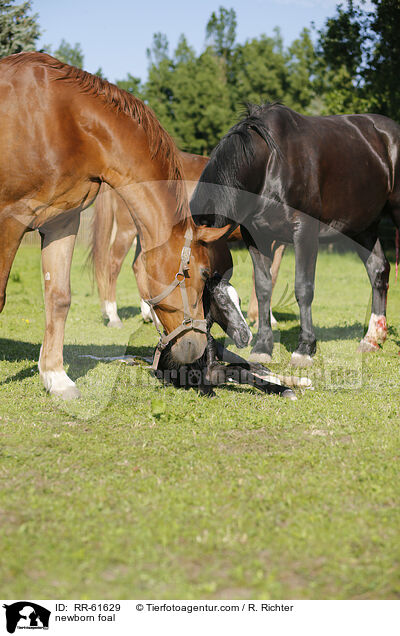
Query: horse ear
[[211, 234]]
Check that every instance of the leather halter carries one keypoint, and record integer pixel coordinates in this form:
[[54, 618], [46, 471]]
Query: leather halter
[[188, 323]]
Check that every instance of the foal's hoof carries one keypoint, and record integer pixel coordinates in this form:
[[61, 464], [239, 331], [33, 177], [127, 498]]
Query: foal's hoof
[[70, 393], [301, 360], [366, 346], [264, 358], [116, 324], [289, 395]]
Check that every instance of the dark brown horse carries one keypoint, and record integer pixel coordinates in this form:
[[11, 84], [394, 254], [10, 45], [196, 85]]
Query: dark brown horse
[[64, 133], [294, 178]]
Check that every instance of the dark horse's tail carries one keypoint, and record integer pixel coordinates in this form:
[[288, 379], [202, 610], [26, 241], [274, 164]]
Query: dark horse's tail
[[102, 226]]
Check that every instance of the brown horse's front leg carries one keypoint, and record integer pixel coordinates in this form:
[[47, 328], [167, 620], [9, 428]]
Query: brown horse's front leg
[[58, 240]]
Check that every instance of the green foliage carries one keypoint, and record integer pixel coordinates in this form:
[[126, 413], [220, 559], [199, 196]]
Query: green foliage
[[260, 70], [158, 91], [70, 54], [131, 84], [221, 32], [19, 30], [359, 59], [384, 64], [201, 103], [301, 66]]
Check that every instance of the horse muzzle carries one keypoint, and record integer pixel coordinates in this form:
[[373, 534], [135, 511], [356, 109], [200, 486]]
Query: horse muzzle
[[189, 347]]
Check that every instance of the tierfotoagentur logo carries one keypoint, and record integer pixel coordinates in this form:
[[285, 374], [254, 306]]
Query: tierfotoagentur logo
[[26, 615]]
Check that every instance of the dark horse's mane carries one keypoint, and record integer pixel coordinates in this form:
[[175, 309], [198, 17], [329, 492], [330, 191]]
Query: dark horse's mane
[[161, 145], [230, 166], [237, 146]]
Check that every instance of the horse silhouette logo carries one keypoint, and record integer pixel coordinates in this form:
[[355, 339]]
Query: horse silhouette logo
[[26, 615]]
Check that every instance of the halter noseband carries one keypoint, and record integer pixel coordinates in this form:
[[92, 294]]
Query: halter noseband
[[188, 323]]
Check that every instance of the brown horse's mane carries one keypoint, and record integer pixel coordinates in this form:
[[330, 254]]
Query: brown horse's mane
[[161, 145]]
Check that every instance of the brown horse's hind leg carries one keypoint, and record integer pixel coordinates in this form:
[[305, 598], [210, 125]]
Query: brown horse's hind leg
[[118, 251], [11, 233], [58, 240]]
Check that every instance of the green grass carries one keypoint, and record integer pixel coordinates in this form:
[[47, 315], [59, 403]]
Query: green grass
[[140, 491]]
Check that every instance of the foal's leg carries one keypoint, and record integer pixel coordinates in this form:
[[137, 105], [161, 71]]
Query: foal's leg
[[11, 233], [118, 251], [371, 253], [305, 239], [58, 240]]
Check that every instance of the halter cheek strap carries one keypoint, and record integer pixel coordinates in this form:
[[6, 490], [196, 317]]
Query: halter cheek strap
[[188, 323]]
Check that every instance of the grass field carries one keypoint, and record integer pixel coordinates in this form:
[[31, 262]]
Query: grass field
[[140, 491]]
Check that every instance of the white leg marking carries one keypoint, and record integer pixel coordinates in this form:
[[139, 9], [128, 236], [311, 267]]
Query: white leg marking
[[57, 382], [109, 310], [234, 296], [377, 329], [146, 313]]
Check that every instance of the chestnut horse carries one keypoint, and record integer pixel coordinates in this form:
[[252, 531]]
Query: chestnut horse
[[114, 233], [64, 133]]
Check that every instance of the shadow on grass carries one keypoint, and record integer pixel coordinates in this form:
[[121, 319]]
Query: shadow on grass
[[356, 331], [128, 312], [18, 351]]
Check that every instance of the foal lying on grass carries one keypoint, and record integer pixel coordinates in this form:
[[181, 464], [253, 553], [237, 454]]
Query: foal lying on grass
[[218, 365]]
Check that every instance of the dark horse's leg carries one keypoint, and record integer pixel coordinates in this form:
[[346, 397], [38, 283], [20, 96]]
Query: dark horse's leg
[[262, 350], [371, 253], [305, 240]]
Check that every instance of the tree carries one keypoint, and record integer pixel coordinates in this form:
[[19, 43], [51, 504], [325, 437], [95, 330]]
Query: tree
[[261, 74], [131, 84], [342, 48], [221, 32], [69, 54], [19, 30], [383, 74], [158, 92], [201, 100], [301, 72], [360, 53]]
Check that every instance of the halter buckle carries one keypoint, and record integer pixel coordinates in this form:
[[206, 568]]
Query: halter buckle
[[180, 277]]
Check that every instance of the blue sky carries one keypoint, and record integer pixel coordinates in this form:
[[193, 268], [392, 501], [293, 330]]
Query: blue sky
[[114, 34]]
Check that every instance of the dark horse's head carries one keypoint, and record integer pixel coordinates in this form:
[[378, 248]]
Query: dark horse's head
[[229, 184], [222, 305]]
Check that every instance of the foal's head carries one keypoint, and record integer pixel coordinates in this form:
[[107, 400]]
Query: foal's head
[[163, 265], [222, 305]]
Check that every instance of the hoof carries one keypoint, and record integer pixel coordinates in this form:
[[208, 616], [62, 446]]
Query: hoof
[[301, 360], [115, 324], [366, 346], [264, 358], [70, 393], [289, 395]]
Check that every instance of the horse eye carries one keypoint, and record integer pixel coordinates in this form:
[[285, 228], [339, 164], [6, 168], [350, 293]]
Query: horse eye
[[205, 273]]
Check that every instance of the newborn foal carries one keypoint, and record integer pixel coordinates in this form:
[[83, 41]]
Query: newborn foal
[[221, 305]]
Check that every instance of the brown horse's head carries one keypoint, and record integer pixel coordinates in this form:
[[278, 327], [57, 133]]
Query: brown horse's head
[[162, 264]]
